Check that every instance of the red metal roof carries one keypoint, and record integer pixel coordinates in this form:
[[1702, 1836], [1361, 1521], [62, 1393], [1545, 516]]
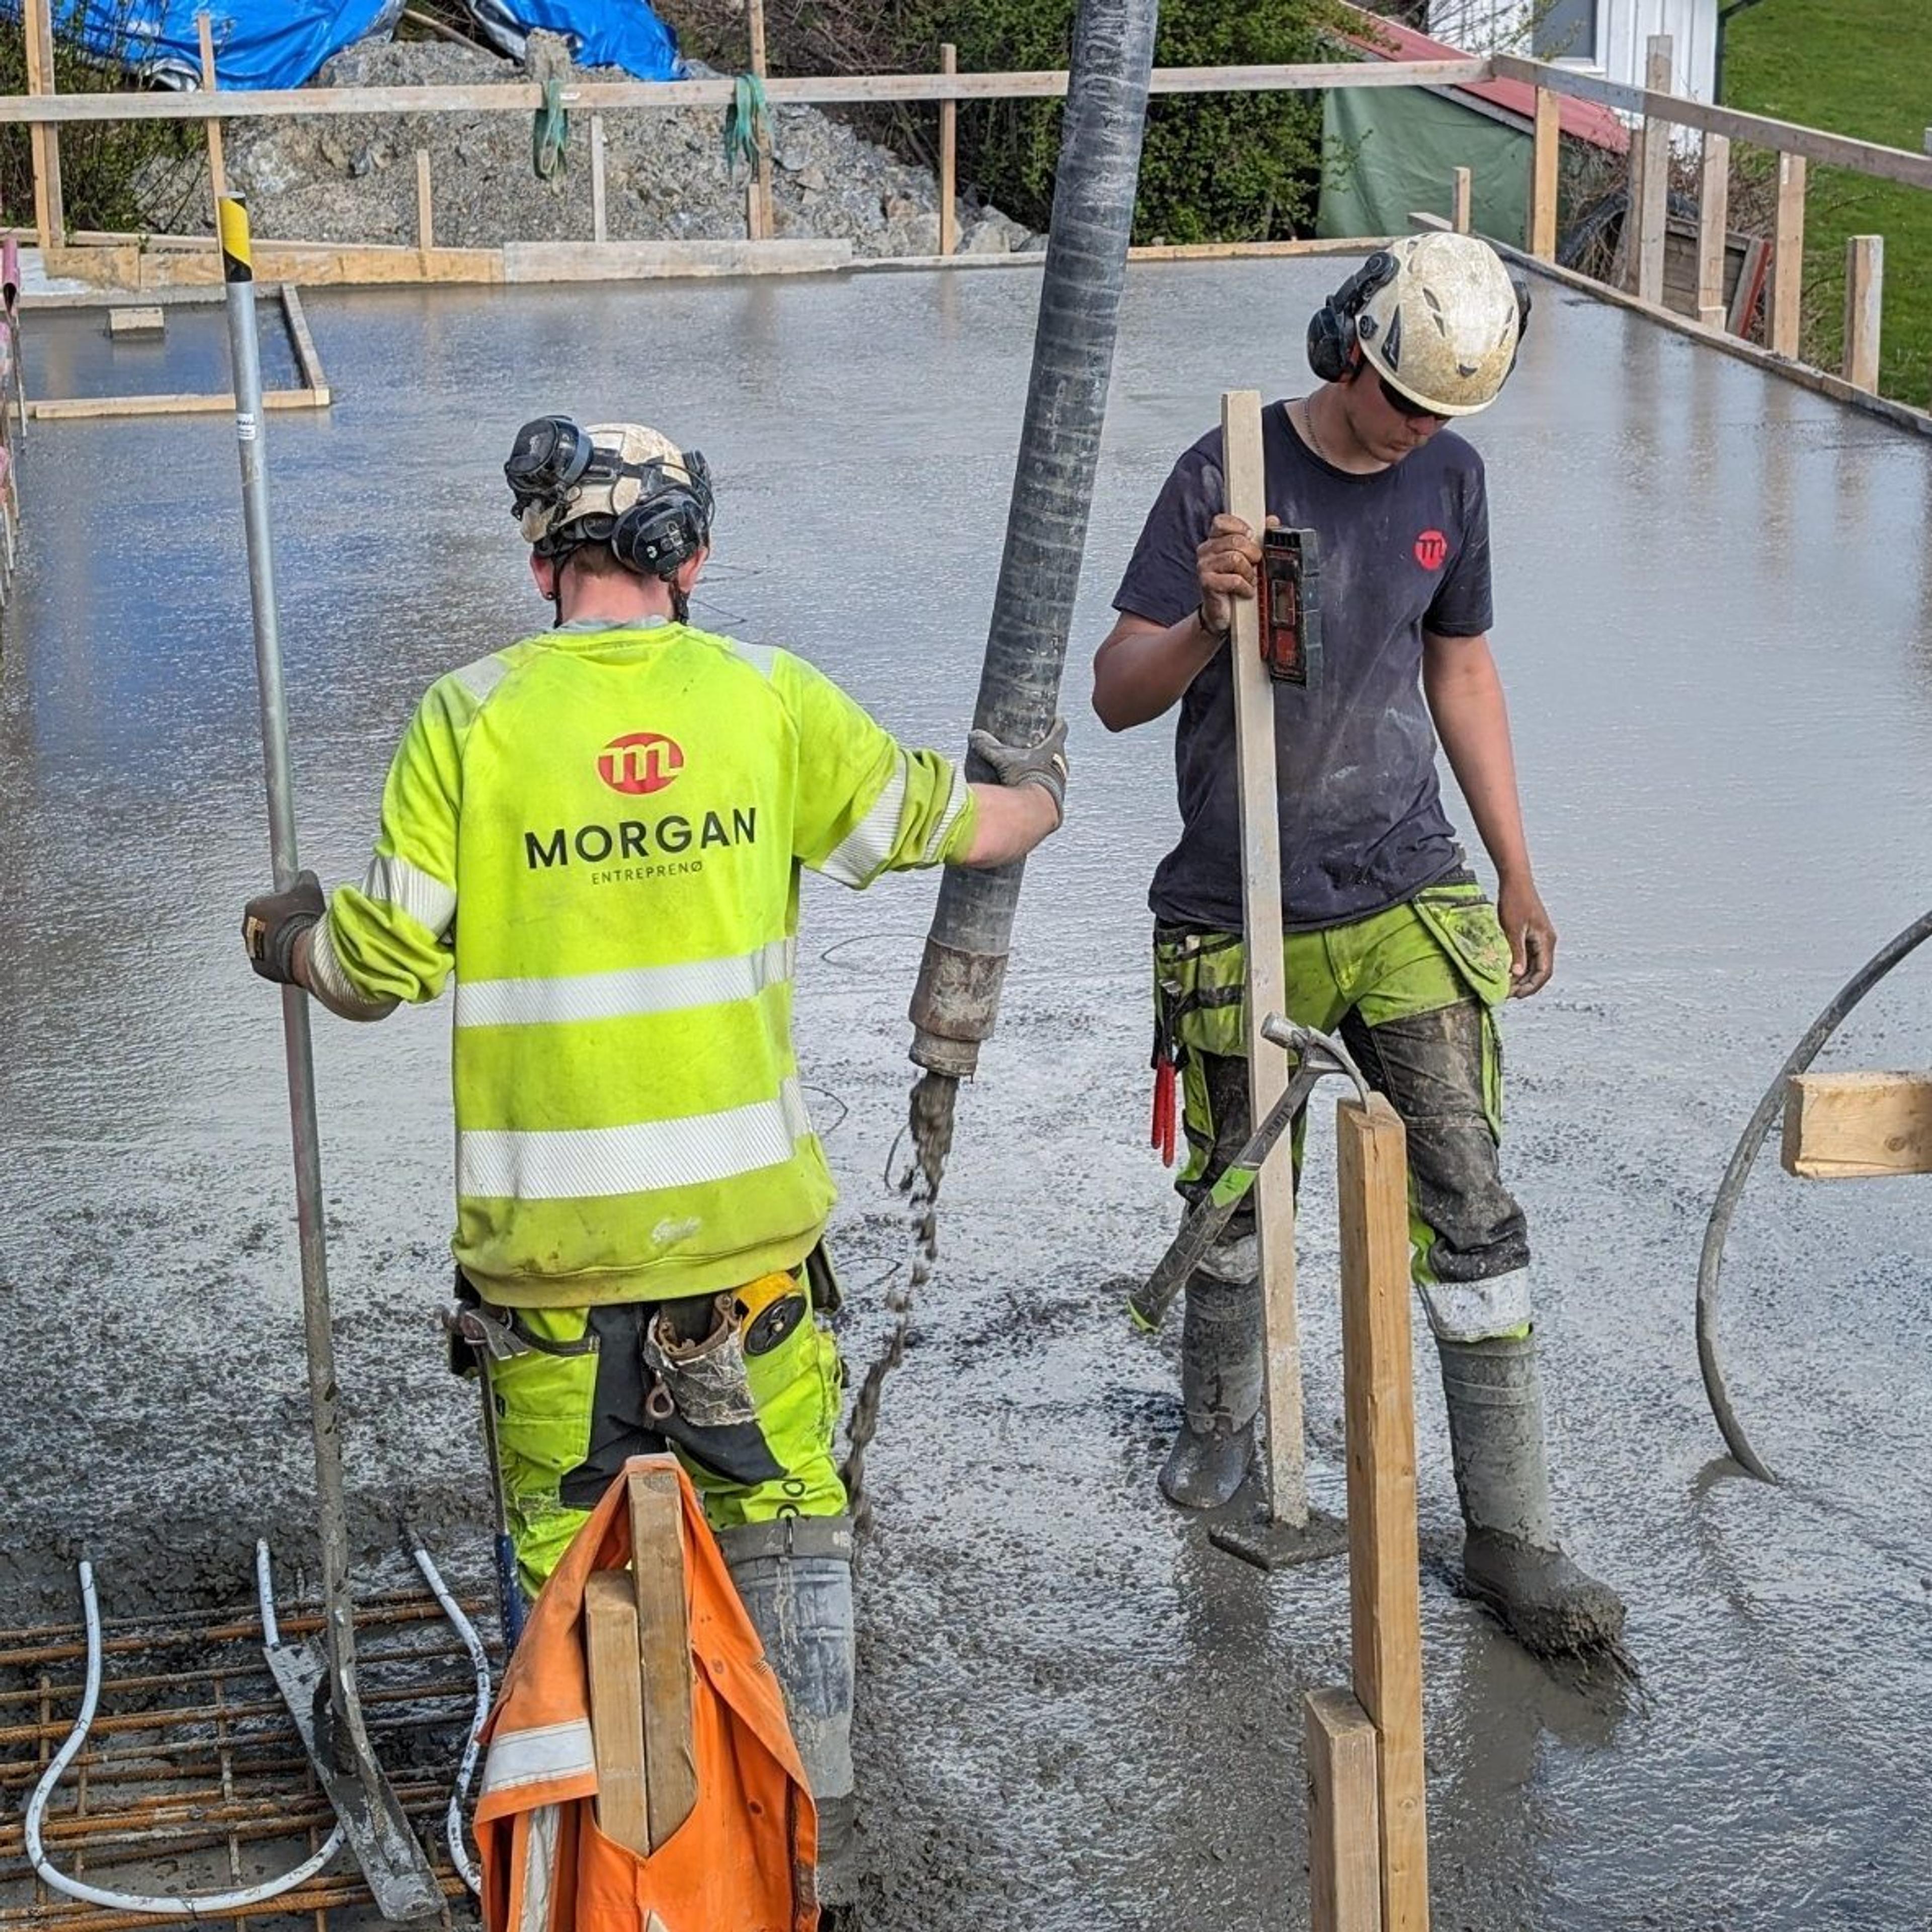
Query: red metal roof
[[1584, 119]]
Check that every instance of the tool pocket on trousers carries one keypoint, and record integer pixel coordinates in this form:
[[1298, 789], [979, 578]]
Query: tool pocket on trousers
[[1464, 923], [544, 1406], [1200, 989], [704, 1378]]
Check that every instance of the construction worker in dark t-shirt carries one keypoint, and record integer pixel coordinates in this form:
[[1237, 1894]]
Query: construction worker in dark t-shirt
[[1389, 936]]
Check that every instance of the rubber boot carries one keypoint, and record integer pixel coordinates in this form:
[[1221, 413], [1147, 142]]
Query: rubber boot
[[794, 1578], [1511, 1560], [1220, 1391]]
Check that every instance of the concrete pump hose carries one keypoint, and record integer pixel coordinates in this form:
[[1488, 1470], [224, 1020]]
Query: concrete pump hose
[[1717, 1229]]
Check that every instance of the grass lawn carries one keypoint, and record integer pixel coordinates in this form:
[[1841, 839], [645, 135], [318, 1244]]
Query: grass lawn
[[1862, 67]]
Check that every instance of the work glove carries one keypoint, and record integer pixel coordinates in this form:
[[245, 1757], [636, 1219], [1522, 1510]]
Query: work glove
[[1043, 764], [272, 923]]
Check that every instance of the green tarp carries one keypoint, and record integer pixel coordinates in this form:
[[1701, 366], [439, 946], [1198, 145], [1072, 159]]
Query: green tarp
[[1392, 151]]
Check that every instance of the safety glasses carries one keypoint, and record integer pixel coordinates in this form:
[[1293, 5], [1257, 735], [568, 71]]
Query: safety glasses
[[1405, 406]]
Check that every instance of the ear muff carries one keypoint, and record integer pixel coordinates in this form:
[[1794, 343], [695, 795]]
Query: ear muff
[[1523, 305], [548, 456], [1332, 348], [658, 536]]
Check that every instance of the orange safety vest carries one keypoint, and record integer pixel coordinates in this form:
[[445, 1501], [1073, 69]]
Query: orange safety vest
[[743, 1862]]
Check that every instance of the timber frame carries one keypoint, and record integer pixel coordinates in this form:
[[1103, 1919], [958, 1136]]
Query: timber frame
[[142, 264]]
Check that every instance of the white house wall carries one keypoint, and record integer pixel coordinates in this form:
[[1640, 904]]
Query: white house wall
[[1624, 29]]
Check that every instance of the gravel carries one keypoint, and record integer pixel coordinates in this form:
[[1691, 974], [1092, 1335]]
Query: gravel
[[353, 179]]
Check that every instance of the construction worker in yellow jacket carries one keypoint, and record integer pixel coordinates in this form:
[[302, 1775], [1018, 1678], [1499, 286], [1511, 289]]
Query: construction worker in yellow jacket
[[600, 829]]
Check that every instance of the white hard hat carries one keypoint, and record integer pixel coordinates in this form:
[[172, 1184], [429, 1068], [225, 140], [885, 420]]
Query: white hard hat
[[1443, 326]]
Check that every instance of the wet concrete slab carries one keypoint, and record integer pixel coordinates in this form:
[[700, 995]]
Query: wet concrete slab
[[1715, 620]]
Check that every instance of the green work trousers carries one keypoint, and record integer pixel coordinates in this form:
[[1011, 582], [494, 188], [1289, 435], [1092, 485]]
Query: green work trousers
[[589, 1388], [1413, 992]]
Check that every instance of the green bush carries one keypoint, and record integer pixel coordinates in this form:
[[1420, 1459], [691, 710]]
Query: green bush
[[1217, 167], [127, 176]]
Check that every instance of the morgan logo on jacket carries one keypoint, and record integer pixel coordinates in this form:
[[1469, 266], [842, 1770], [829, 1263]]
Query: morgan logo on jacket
[[640, 762], [674, 840]]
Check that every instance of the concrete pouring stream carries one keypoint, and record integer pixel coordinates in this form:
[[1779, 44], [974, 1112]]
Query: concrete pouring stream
[[1715, 620]]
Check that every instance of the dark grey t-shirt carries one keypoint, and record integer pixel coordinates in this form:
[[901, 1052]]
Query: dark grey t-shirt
[[1362, 824]]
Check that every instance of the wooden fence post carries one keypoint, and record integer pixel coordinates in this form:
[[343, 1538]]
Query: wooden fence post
[[1714, 221], [1865, 301], [1458, 202], [1345, 1875], [1653, 199], [949, 158], [1267, 979], [1545, 156], [599, 228], [1379, 1404], [425, 208], [759, 221], [217, 172], [49, 203], [1787, 261]]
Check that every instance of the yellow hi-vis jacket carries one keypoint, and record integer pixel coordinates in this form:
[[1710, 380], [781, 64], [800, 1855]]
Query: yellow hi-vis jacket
[[601, 833]]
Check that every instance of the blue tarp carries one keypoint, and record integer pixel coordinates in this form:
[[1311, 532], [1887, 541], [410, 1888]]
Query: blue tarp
[[282, 43]]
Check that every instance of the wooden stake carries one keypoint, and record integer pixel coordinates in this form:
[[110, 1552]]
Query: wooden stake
[[1266, 983], [1458, 202], [758, 205], [949, 158], [1855, 1127], [1545, 155], [1714, 221], [217, 172], [664, 1637], [611, 1653], [49, 203], [1654, 199], [425, 207], [1787, 260], [1864, 303], [599, 230], [1379, 1400], [1345, 1880]]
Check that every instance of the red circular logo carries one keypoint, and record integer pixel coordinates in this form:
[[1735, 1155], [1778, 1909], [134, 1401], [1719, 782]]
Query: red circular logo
[[1432, 547], [643, 761]]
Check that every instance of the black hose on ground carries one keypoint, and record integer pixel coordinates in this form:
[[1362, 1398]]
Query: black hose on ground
[[957, 998], [1717, 1229]]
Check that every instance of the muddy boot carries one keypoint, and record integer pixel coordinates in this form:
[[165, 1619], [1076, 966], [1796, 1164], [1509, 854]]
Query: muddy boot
[[794, 1578], [1220, 1383], [1511, 1561]]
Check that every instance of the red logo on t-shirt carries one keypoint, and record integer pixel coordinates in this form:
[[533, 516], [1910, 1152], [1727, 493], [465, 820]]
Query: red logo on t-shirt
[[645, 761], [1432, 547]]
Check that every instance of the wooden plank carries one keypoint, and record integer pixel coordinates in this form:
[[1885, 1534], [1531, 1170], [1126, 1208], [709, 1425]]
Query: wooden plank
[[306, 358], [758, 205], [1243, 465], [1864, 306], [664, 1637], [1546, 153], [600, 230], [1838, 150], [629, 261], [949, 158], [821, 90], [1787, 262], [1653, 197], [1344, 1881], [49, 206], [1459, 197], [1714, 218], [147, 321], [74, 408], [425, 206], [1371, 1179], [218, 172], [611, 1653], [317, 264], [1855, 1126], [1821, 381]]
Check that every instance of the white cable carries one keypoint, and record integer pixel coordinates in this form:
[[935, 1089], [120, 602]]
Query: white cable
[[208, 1905], [479, 1662]]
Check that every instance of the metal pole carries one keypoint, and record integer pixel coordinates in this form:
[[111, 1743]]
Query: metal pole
[[341, 1740]]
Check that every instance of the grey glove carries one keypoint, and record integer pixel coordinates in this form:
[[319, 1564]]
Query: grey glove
[[1043, 764], [271, 924]]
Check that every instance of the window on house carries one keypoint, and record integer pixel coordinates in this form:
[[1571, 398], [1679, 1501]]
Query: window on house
[[1564, 30]]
